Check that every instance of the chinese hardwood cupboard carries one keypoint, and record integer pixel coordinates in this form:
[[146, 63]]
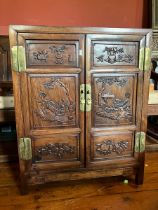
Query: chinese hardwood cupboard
[[81, 101]]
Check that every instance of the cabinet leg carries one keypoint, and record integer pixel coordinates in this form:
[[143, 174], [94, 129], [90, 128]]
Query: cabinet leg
[[24, 186], [139, 178]]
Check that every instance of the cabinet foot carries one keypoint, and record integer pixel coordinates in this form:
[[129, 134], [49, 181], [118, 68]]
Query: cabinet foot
[[24, 189]]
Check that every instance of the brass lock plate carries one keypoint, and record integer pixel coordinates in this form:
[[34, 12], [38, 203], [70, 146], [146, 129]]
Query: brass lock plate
[[82, 97], [88, 98]]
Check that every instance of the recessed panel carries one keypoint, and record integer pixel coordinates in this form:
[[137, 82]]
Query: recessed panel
[[53, 100], [111, 146], [56, 148], [114, 99], [52, 53], [114, 53]]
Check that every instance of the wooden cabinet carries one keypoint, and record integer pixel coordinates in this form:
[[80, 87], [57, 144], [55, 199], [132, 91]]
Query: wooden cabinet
[[81, 101]]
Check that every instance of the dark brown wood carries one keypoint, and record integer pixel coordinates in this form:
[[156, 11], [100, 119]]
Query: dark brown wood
[[114, 100], [86, 194], [68, 143], [145, 94], [5, 66], [77, 30], [7, 115]]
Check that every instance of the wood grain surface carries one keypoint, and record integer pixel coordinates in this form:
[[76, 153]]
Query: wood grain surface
[[96, 194]]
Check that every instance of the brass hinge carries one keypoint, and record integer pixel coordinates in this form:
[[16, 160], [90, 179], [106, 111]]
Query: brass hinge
[[141, 59], [140, 142], [25, 149], [80, 52], [82, 97], [18, 58], [147, 59], [88, 98], [137, 137]]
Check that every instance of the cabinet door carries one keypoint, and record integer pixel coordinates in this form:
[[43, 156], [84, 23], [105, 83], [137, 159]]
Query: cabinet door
[[114, 113], [47, 97]]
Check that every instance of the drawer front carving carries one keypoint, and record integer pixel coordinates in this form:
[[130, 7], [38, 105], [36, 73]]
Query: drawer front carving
[[52, 53], [53, 100], [111, 146], [114, 99], [111, 53], [56, 148]]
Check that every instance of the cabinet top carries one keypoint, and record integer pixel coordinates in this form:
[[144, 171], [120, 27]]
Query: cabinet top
[[80, 30]]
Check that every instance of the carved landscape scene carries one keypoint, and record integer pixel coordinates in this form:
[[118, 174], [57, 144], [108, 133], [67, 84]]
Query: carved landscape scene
[[54, 101], [113, 100]]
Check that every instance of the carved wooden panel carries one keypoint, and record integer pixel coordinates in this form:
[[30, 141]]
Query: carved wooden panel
[[53, 100], [56, 148], [114, 99], [114, 53], [52, 53], [111, 146]]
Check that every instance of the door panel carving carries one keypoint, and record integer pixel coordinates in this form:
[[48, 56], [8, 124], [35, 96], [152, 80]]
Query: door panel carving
[[53, 100], [114, 99]]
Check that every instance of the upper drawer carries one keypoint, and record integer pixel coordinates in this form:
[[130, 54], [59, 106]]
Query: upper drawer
[[110, 50], [48, 51], [114, 53], [57, 53]]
